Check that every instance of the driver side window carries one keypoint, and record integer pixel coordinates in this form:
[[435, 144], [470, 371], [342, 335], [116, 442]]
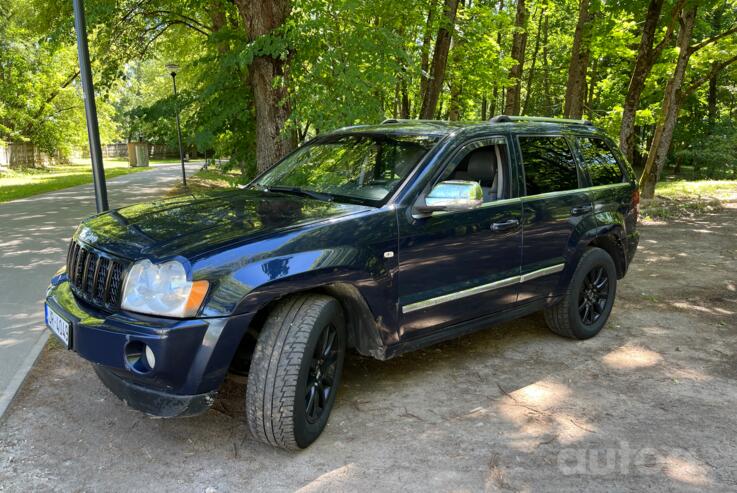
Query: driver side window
[[484, 162]]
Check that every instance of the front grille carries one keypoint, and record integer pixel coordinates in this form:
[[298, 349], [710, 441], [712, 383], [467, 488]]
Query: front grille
[[94, 277]]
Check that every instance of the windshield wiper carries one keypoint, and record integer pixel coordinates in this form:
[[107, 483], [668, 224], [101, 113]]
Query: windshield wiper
[[326, 197]]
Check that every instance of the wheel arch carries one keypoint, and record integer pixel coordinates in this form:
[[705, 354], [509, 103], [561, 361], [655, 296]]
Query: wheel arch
[[610, 239], [362, 327]]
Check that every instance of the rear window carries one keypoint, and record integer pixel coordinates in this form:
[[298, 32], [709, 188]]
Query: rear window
[[549, 164], [603, 167]]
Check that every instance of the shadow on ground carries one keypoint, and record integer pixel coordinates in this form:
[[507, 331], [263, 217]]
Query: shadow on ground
[[648, 404]]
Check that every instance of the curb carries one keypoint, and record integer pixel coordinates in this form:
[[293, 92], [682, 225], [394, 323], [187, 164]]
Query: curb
[[20, 375]]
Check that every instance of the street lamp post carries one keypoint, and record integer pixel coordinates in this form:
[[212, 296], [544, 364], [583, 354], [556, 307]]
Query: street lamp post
[[172, 68], [93, 131]]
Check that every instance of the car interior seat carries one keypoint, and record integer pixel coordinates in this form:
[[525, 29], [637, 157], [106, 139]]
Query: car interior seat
[[482, 167]]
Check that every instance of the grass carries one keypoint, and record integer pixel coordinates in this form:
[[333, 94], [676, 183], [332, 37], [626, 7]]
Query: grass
[[689, 198], [208, 179], [18, 184], [122, 160]]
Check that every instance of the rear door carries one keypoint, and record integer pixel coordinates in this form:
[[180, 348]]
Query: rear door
[[611, 181], [553, 207]]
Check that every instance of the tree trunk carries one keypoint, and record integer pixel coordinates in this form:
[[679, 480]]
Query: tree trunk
[[711, 101], [519, 43], [454, 106], [576, 85], [266, 75], [404, 112], [535, 51], [495, 91], [643, 65], [439, 60], [591, 93], [494, 98], [671, 102], [546, 72], [484, 107], [219, 21], [425, 53]]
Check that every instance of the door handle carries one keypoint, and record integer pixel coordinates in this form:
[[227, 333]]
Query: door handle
[[509, 224], [579, 211]]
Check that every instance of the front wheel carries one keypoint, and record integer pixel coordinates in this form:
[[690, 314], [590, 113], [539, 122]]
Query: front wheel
[[295, 371], [586, 306]]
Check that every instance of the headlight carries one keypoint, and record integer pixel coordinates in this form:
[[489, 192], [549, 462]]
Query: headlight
[[162, 289]]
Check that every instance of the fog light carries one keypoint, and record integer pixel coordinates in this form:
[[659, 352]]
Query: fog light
[[139, 357], [150, 358]]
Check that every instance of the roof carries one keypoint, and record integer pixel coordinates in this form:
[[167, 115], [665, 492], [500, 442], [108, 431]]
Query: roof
[[441, 127]]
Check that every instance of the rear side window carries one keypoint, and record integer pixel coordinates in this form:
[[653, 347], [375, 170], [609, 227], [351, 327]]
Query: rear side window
[[603, 167], [549, 164]]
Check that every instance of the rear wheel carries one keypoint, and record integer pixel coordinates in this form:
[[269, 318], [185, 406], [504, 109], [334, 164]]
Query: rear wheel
[[586, 306], [295, 371]]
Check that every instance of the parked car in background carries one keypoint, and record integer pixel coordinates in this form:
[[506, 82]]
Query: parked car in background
[[383, 238]]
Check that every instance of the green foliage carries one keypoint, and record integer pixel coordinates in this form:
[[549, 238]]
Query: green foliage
[[40, 99], [347, 62]]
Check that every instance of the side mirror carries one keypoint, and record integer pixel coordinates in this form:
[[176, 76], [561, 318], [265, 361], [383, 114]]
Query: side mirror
[[452, 195]]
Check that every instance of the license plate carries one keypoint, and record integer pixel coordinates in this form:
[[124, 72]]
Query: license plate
[[58, 325]]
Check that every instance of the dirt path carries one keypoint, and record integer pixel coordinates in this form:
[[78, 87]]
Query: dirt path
[[648, 404]]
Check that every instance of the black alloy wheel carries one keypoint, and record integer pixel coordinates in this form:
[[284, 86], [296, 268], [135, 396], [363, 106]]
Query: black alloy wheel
[[584, 308], [593, 295], [321, 376]]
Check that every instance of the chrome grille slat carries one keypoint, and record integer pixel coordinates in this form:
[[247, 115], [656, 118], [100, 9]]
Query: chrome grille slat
[[89, 265], [79, 268], [101, 279], [95, 277]]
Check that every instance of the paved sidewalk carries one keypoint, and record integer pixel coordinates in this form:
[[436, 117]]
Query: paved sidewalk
[[34, 234]]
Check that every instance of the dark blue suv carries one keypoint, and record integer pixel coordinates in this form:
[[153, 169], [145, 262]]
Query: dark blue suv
[[383, 238]]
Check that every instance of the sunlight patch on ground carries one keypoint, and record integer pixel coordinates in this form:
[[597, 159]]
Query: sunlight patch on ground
[[656, 331], [686, 471], [544, 394], [690, 374], [631, 357], [534, 410], [9, 342], [702, 309], [331, 480]]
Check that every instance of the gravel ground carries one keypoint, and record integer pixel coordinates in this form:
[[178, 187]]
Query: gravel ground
[[648, 404]]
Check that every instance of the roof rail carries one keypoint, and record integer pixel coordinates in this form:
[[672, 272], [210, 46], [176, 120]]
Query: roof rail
[[542, 119], [389, 121]]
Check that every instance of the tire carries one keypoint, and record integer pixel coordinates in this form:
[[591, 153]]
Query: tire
[[569, 317], [284, 363]]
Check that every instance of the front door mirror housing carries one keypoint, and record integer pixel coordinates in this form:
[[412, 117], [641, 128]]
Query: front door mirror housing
[[452, 195]]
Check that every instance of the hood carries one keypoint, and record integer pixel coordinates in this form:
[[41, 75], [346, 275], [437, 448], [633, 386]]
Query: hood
[[193, 224]]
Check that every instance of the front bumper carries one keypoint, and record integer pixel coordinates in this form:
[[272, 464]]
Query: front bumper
[[192, 355], [152, 401]]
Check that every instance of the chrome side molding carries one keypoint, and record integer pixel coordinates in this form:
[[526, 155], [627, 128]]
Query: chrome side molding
[[419, 305]]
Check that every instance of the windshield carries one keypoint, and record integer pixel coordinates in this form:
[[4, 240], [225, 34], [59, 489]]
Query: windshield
[[355, 168]]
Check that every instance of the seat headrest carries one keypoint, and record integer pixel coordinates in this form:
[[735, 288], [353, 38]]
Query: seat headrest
[[482, 164]]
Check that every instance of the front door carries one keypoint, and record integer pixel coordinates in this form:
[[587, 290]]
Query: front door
[[456, 266]]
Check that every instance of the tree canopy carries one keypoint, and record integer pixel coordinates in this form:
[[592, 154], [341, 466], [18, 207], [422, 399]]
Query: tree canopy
[[257, 77]]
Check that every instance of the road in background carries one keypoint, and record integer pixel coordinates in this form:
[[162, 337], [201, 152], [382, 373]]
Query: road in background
[[34, 235]]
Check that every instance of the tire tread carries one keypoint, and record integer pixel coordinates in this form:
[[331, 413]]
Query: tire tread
[[275, 367], [558, 317]]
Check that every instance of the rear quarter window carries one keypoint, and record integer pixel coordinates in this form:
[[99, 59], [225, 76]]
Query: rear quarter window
[[548, 163], [600, 161]]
